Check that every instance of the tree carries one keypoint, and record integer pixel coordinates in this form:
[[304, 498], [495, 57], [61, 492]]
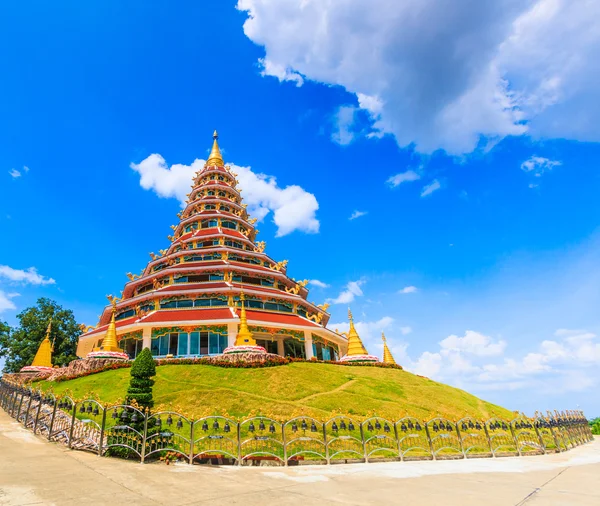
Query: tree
[[140, 385], [19, 345]]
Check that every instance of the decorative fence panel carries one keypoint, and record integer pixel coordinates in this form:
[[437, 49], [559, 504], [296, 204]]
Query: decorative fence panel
[[444, 438], [304, 439], [261, 438], [125, 431], [215, 436], [474, 439], [343, 439], [526, 437], [413, 441], [502, 440], [380, 438]]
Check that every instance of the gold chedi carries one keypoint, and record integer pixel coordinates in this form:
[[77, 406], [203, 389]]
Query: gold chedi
[[43, 358], [356, 350], [110, 345], [387, 354], [244, 341], [244, 336]]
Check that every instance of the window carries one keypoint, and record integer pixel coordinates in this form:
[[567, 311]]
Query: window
[[229, 224], [125, 314], [194, 343], [182, 348], [293, 348], [209, 223]]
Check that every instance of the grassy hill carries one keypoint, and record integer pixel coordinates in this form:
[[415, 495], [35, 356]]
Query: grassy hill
[[313, 389]]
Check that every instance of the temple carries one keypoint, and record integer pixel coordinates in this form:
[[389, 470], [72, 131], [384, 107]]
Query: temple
[[213, 288]]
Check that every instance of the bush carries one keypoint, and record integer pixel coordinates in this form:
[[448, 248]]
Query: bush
[[140, 385]]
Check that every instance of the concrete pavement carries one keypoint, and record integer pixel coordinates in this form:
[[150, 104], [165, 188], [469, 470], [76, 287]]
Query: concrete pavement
[[33, 471]]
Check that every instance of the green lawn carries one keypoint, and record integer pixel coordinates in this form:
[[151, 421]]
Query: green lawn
[[318, 390]]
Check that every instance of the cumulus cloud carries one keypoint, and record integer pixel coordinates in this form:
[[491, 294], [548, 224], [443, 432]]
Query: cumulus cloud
[[357, 214], [6, 303], [408, 289], [14, 173], [443, 73], [293, 207], [403, 177], [568, 363], [318, 284], [348, 295], [537, 165], [430, 188], [369, 331], [28, 276]]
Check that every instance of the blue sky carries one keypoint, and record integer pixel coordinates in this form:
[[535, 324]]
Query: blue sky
[[467, 158]]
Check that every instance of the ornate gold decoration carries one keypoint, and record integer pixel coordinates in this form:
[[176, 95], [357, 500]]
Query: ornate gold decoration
[[43, 357], [387, 354], [316, 317], [221, 241], [163, 252], [279, 265], [156, 284], [154, 256], [228, 277], [252, 221], [85, 328], [113, 300], [260, 247], [215, 157], [132, 277], [324, 306], [244, 336], [296, 289], [171, 238], [173, 227]]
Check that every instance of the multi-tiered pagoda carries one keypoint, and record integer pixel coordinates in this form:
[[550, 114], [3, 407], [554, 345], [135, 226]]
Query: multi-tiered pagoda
[[187, 301]]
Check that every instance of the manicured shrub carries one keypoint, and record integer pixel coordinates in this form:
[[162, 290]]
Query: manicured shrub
[[140, 385]]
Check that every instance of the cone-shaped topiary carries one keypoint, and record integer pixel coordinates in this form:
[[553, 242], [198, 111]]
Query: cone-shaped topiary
[[140, 385]]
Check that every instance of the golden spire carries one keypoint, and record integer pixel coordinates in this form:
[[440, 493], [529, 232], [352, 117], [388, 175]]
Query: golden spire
[[244, 337], [387, 354], [355, 345], [43, 357], [109, 343], [215, 157]]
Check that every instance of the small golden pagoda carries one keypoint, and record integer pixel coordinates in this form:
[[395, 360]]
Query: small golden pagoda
[[356, 350], [110, 346], [244, 341], [43, 358], [387, 354]]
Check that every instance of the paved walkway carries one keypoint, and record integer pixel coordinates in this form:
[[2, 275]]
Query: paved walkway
[[33, 471]]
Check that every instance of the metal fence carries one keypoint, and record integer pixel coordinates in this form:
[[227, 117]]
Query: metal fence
[[123, 430]]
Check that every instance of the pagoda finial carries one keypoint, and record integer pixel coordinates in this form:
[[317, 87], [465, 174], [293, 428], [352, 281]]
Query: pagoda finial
[[215, 157], [244, 336], [387, 354]]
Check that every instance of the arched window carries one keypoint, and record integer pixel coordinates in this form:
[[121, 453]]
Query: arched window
[[229, 224], [210, 223]]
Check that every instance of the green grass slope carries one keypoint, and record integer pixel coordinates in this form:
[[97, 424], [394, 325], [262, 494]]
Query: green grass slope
[[311, 389]]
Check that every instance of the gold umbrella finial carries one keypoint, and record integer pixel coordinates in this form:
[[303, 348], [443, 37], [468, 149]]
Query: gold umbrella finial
[[244, 336], [215, 157], [355, 345]]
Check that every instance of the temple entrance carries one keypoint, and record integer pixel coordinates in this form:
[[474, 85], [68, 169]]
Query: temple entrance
[[293, 348]]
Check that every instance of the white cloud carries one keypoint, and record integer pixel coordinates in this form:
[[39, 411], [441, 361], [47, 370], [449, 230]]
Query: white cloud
[[473, 343], [14, 173], [537, 165], [351, 291], [408, 289], [568, 364], [403, 177], [430, 188], [6, 303], [343, 132], [318, 284], [28, 276], [357, 214], [293, 207], [25, 168], [442, 73]]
